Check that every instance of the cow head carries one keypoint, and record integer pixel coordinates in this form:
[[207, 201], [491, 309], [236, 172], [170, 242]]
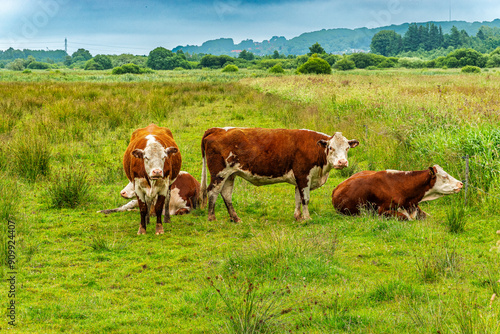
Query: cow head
[[154, 156], [336, 149], [128, 191], [445, 184]]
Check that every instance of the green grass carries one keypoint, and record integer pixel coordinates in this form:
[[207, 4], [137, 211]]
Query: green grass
[[80, 271]]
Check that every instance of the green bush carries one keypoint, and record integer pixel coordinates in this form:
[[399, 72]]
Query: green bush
[[315, 65], [471, 69], [92, 65], [127, 68], [37, 65], [344, 64], [230, 68], [277, 69]]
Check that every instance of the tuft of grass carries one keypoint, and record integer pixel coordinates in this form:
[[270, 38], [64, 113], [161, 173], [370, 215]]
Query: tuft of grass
[[69, 188], [456, 218], [250, 308], [30, 156], [439, 263], [99, 244]]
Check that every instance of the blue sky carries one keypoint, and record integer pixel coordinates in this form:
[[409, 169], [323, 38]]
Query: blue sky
[[119, 26]]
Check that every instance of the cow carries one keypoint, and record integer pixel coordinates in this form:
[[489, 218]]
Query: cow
[[303, 158], [184, 193], [393, 193], [152, 162]]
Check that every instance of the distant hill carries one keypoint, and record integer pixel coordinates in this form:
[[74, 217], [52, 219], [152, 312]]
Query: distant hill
[[338, 40]]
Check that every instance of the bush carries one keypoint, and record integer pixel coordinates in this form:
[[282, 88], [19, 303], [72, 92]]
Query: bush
[[37, 65], [315, 65], [103, 61], [277, 69], [344, 65], [129, 68], [15, 65], [471, 69], [230, 68], [69, 188], [493, 61], [92, 65], [411, 62]]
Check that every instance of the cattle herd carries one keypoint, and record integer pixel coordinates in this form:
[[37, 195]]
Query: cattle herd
[[304, 158]]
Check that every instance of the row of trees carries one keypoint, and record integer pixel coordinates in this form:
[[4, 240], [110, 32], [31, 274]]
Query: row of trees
[[430, 37]]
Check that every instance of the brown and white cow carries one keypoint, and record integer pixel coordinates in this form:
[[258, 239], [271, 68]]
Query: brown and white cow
[[393, 193], [184, 193], [152, 162], [303, 158]]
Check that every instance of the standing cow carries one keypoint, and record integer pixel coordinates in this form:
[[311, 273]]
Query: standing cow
[[392, 192], [152, 162], [184, 193], [303, 158]]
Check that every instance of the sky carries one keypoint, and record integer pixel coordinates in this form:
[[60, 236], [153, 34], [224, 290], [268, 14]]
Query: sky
[[139, 26]]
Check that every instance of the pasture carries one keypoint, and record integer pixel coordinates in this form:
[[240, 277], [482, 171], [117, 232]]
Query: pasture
[[63, 135]]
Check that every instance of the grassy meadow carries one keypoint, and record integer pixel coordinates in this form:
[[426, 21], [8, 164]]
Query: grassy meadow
[[63, 135]]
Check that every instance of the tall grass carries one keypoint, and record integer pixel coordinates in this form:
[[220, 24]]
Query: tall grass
[[69, 188], [31, 156]]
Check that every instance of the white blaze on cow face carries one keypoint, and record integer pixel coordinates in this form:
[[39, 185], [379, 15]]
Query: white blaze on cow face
[[154, 155], [445, 184], [128, 191], [336, 149]]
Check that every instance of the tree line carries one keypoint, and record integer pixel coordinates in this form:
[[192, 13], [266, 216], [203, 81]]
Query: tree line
[[428, 37]]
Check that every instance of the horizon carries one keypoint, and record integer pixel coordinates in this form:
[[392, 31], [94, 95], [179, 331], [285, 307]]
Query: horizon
[[137, 27]]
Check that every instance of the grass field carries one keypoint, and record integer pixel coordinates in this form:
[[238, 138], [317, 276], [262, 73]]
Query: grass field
[[63, 135]]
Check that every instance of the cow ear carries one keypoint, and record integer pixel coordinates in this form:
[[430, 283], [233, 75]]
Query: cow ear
[[353, 143], [323, 143], [171, 150], [432, 171], [138, 153]]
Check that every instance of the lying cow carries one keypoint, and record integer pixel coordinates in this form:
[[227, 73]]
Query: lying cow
[[303, 158], [393, 193], [152, 162], [184, 193]]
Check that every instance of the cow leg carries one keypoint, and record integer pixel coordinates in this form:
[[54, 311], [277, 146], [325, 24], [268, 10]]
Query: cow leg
[[227, 193], [304, 193], [297, 213], [144, 216], [159, 210], [393, 213], [214, 189]]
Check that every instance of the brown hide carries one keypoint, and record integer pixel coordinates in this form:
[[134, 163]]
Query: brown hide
[[264, 152], [383, 191], [134, 167], [189, 189]]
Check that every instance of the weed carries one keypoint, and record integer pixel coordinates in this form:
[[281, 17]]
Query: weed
[[30, 156], [250, 308], [69, 188], [456, 218]]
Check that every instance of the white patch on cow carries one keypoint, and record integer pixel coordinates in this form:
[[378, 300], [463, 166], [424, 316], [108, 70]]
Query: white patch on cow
[[128, 191], [338, 146], [228, 128], [321, 133], [176, 202], [151, 139], [445, 185], [231, 154], [318, 176], [149, 194], [182, 173], [393, 171], [407, 215], [259, 180]]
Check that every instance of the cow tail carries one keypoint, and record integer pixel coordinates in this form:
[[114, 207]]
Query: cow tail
[[203, 197]]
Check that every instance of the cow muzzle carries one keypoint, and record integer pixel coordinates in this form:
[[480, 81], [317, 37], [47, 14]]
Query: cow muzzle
[[156, 174], [459, 187], [342, 163]]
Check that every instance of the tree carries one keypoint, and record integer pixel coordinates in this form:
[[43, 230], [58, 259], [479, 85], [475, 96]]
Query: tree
[[246, 55], [104, 61], [276, 54], [163, 59], [316, 48], [386, 43], [315, 65], [344, 64], [80, 55]]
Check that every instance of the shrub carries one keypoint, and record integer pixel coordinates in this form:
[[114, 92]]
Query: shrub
[[344, 65], [230, 68], [411, 62], [315, 65], [68, 188], [92, 65], [493, 61], [38, 65], [277, 69], [15, 65], [127, 68], [471, 69]]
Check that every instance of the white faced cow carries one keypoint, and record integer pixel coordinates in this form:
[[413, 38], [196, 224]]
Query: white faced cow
[[303, 158]]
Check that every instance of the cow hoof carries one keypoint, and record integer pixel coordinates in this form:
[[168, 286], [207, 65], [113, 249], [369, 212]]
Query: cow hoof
[[211, 218], [236, 220], [141, 231]]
